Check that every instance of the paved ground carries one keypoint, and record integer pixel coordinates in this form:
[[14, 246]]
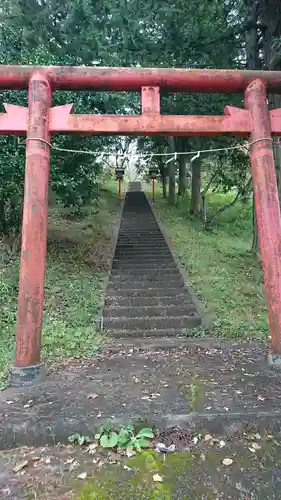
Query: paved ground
[[190, 386], [221, 390]]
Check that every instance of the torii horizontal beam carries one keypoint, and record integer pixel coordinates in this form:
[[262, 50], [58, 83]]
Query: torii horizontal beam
[[235, 122], [132, 79]]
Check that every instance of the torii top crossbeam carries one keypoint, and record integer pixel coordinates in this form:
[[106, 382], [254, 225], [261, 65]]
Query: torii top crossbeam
[[132, 79]]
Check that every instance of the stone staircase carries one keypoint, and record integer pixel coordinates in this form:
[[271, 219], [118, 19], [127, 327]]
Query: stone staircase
[[146, 296]]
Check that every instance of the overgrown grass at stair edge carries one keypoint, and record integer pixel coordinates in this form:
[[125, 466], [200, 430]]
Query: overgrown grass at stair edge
[[77, 257], [225, 275]]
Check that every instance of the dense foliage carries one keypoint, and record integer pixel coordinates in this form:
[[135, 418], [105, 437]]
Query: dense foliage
[[211, 34]]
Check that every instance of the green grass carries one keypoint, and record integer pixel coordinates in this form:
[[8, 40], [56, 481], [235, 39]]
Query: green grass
[[77, 257], [225, 275]]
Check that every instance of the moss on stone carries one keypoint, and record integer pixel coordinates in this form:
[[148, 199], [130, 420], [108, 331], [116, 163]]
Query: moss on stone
[[139, 484]]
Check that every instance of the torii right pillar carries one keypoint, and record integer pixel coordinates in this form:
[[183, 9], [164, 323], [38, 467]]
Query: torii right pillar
[[267, 208]]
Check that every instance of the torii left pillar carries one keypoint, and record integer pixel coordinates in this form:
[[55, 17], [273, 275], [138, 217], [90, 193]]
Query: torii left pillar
[[28, 365]]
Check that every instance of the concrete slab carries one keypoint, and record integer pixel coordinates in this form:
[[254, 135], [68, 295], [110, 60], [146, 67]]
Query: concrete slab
[[220, 388]]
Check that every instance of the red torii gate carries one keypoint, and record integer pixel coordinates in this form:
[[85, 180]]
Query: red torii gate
[[39, 121]]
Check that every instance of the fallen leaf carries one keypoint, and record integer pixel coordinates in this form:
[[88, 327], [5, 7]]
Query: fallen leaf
[[160, 446], [48, 460], [28, 404], [83, 475], [256, 446], [130, 452], [92, 448], [20, 466], [92, 395], [6, 491], [227, 461], [221, 444], [73, 465], [207, 438], [113, 458], [172, 448], [157, 478]]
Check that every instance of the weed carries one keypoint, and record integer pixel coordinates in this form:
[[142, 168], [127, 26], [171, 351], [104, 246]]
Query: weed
[[125, 437], [79, 439]]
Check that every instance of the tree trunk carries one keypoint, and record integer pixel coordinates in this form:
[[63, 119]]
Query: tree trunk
[[271, 20], [274, 101], [163, 175], [172, 183], [251, 35], [195, 187], [253, 62], [182, 175], [172, 173], [255, 235]]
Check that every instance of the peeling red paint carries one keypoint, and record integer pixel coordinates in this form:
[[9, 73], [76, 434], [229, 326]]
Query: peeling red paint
[[132, 79], [235, 122], [34, 226], [150, 100], [266, 203]]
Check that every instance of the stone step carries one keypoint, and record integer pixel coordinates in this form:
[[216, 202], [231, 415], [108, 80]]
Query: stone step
[[138, 232], [141, 247], [181, 300], [140, 284], [151, 323], [120, 266], [146, 292], [162, 259], [148, 311], [141, 274], [157, 333], [140, 241], [146, 253], [140, 236], [147, 229]]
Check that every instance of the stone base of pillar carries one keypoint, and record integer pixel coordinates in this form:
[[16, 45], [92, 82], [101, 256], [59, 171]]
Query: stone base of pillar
[[26, 376]]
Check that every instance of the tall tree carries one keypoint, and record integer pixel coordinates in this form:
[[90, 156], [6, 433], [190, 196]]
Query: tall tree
[[253, 61]]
